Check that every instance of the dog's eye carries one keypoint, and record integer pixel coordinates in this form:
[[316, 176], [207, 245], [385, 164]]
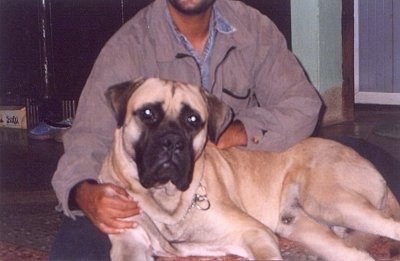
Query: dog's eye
[[190, 118], [148, 115], [194, 120]]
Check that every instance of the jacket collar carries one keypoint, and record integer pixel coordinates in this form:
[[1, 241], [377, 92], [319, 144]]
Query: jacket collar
[[231, 30]]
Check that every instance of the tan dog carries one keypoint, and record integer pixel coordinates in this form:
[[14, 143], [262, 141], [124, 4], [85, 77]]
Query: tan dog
[[198, 200]]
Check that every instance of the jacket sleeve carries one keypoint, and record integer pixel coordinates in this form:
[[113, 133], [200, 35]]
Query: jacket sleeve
[[288, 105], [88, 141]]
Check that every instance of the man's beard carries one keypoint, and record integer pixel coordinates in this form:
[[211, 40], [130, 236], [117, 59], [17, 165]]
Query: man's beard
[[188, 9]]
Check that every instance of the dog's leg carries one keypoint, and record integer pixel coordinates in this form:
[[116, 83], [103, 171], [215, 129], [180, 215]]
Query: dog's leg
[[246, 238], [132, 244], [234, 232], [358, 214], [352, 210], [262, 244], [320, 239], [355, 238]]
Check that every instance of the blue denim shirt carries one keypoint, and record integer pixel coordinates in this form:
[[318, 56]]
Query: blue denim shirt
[[218, 24]]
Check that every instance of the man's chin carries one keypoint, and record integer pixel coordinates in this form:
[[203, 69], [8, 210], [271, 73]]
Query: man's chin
[[191, 9]]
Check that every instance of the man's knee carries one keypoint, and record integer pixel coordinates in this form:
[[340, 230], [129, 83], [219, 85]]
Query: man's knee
[[80, 240]]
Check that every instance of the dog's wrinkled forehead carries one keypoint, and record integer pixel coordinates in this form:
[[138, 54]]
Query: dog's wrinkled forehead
[[171, 95]]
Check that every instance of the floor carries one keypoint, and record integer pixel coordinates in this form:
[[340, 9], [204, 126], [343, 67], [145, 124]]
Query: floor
[[28, 220]]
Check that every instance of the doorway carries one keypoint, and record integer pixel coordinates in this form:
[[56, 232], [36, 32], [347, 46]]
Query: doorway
[[377, 52]]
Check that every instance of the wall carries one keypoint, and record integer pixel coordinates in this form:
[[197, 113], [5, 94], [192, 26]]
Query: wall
[[52, 68], [48, 48], [317, 42]]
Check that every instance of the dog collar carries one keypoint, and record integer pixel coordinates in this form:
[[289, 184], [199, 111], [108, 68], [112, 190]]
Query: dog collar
[[199, 201]]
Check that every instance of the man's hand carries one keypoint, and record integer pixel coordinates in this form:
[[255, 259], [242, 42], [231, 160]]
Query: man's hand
[[234, 135], [106, 205]]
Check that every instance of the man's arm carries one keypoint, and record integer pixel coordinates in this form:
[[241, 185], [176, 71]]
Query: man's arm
[[234, 135], [86, 145], [288, 105]]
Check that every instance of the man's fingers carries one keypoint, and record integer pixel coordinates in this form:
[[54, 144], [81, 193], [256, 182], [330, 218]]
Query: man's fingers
[[112, 190], [114, 229], [108, 206], [115, 225], [115, 209], [121, 193], [112, 214], [121, 204], [108, 230], [124, 213]]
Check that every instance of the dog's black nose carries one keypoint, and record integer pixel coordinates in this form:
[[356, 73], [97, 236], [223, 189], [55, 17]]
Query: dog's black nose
[[173, 142]]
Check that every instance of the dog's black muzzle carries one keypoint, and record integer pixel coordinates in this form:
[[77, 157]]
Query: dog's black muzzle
[[167, 155]]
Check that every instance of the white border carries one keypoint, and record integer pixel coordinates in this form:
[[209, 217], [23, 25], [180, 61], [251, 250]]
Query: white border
[[367, 97]]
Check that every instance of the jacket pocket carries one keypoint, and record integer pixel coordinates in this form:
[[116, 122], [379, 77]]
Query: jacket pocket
[[240, 96], [237, 99]]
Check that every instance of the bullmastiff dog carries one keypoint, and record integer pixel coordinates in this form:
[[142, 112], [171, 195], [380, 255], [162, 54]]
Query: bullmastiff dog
[[198, 200]]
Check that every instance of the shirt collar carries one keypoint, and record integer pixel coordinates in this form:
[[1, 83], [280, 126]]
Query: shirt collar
[[222, 25]]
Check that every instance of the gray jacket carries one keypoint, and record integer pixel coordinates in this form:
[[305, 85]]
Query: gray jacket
[[251, 70]]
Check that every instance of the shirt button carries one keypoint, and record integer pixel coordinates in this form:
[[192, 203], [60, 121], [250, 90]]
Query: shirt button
[[255, 140]]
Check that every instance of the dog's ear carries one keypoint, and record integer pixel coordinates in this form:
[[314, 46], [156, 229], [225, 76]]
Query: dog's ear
[[220, 116], [118, 96]]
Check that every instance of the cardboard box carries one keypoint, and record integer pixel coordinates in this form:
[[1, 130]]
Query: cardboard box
[[13, 117]]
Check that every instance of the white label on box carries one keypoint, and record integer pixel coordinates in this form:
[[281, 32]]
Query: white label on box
[[13, 117]]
